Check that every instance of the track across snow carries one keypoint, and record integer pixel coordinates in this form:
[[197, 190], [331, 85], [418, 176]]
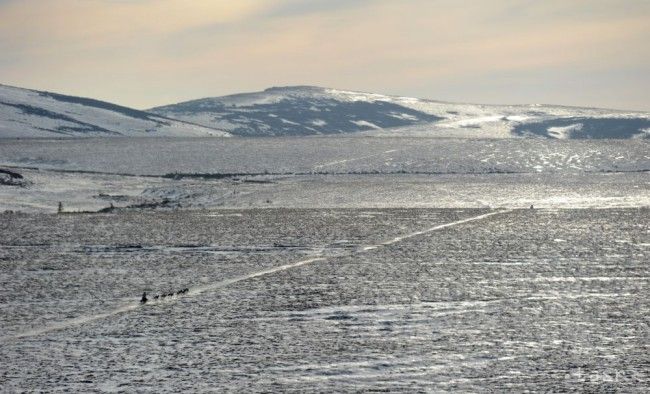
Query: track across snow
[[228, 282], [333, 163], [224, 283], [435, 228], [77, 321]]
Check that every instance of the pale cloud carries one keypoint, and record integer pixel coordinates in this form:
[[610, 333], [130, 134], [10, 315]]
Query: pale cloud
[[149, 52]]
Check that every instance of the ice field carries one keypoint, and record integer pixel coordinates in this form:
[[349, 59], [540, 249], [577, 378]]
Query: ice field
[[325, 264], [344, 300], [339, 155], [336, 172]]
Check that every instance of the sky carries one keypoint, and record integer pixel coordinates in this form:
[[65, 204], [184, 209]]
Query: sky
[[144, 53]]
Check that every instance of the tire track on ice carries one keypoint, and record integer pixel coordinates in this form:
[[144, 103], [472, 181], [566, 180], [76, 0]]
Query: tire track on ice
[[193, 291]]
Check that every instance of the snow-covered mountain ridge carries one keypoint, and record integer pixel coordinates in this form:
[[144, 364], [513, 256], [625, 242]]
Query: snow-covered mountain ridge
[[301, 110], [29, 113], [307, 110]]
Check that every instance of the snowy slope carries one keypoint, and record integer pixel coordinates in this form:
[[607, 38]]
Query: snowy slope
[[29, 113], [305, 110], [301, 110]]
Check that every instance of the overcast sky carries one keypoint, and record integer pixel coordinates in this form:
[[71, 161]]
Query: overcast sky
[[143, 53]]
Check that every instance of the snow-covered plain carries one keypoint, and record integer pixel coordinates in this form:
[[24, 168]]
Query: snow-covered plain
[[325, 264], [93, 192], [326, 300], [91, 174]]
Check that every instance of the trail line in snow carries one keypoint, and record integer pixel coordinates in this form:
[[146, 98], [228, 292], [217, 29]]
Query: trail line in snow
[[227, 282], [435, 228], [77, 321], [317, 167]]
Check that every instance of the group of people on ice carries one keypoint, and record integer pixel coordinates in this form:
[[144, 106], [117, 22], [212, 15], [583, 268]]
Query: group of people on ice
[[144, 298]]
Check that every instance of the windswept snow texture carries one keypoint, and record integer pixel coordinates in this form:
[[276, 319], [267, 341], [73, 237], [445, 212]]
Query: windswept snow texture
[[354, 300], [28, 113], [306, 110], [295, 111]]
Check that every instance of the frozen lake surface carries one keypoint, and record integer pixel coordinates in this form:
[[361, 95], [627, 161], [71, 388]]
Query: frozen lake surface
[[336, 172], [339, 155], [326, 300]]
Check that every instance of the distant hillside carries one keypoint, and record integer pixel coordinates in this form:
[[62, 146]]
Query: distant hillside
[[306, 110], [295, 111], [30, 113]]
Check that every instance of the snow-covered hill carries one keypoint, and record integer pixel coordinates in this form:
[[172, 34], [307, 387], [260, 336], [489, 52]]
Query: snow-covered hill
[[301, 110], [306, 110], [30, 113]]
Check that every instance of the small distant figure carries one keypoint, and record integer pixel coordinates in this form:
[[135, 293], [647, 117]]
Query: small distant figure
[[531, 206], [144, 298], [60, 208]]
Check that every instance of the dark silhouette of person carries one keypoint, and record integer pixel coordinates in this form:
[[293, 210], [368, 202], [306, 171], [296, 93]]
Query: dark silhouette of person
[[144, 298]]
